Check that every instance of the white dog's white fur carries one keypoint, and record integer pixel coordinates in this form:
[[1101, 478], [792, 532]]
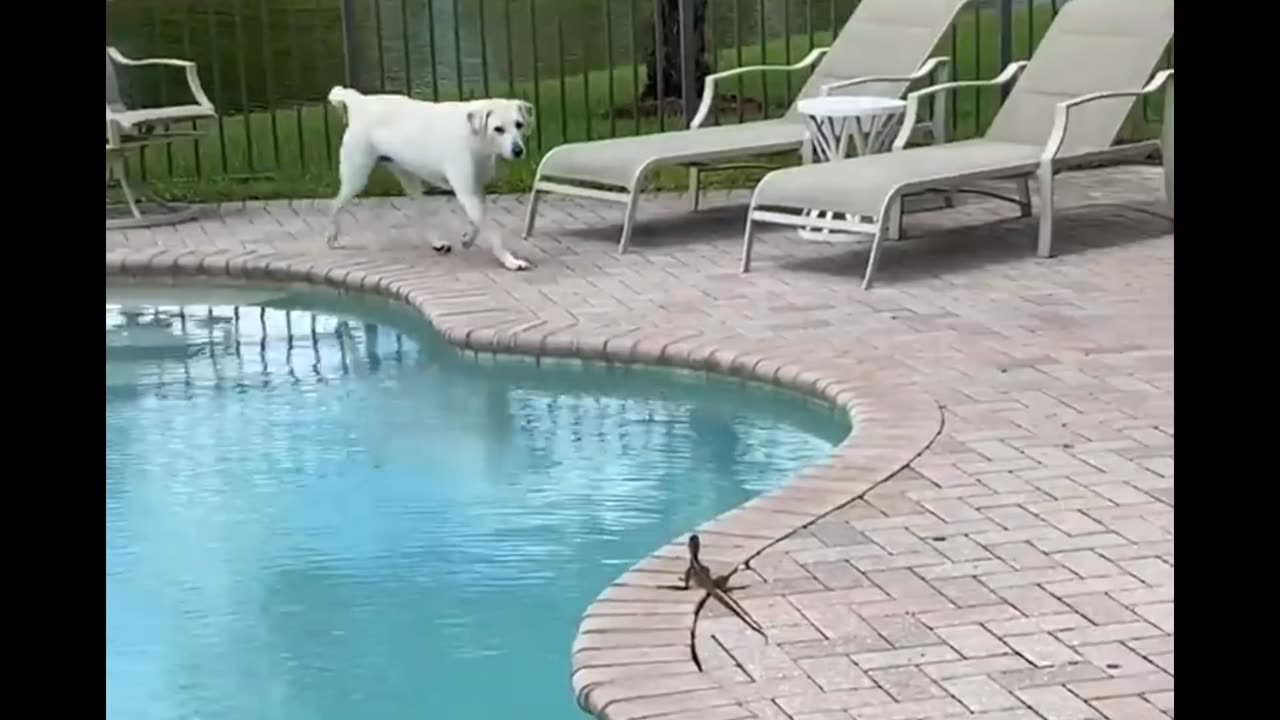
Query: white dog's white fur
[[454, 145]]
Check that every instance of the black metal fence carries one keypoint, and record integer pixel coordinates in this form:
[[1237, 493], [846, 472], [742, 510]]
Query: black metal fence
[[588, 66]]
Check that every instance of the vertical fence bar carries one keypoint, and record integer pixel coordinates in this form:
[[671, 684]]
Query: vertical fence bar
[[585, 60], [737, 43], [608, 49], [713, 41], [217, 85], [457, 51], [292, 16], [564, 103], [511, 63], [1031, 29], [349, 47], [242, 54], [953, 96], [187, 21], [164, 92], [269, 75], [764, 44], [431, 34], [977, 68], [786, 47], [808, 19], [635, 65], [657, 62], [537, 84], [688, 60], [317, 63], [349, 59], [484, 50], [407, 47], [1005, 20], [712, 48], [157, 84], [377, 44]]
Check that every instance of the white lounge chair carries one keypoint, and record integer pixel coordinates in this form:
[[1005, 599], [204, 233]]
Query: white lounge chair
[[1066, 109], [132, 129], [880, 51]]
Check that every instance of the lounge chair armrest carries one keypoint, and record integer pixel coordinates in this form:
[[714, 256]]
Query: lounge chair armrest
[[193, 75], [708, 88], [926, 70], [1062, 112], [913, 99]]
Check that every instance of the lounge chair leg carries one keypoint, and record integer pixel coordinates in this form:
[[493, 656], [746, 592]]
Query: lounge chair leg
[[695, 175], [1024, 197], [895, 220], [531, 215], [1045, 244], [746, 245], [874, 255], [118, 168], [625, 241], [1166, 146], [939, 129]]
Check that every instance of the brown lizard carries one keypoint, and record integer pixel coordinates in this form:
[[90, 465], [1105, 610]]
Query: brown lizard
[[700, 575]]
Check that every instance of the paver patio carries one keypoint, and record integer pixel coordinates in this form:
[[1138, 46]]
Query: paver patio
[[1018, 560]]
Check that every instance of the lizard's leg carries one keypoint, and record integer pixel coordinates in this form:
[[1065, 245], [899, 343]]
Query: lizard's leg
[[722, 582], [738, 610]]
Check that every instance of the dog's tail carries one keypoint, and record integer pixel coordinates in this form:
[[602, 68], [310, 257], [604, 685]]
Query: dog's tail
[[342, 97]]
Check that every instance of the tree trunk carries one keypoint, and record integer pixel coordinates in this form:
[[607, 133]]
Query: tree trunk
[[671, 71]]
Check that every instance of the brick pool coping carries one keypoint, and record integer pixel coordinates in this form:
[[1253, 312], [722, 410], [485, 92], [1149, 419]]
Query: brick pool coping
[[635, 643]]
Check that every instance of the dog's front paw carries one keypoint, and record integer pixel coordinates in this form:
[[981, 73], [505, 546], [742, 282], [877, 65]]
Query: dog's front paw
[[468, 239], [511, 262], [442, 248], [332, 240]]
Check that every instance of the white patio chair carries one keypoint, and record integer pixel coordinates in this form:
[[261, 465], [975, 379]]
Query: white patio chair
[[133, 129]]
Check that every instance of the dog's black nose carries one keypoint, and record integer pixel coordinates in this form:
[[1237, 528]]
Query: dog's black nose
[[517, 151]]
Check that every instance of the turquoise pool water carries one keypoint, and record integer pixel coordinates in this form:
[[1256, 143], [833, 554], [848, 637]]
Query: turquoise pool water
[[317, 510]]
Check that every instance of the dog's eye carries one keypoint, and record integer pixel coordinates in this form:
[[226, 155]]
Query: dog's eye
[[519, 125], [499, 130]]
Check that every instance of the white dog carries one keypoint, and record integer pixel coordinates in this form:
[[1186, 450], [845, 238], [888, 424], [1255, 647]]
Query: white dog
[[447, 144]]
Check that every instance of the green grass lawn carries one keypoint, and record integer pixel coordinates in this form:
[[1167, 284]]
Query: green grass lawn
[[293, 152]]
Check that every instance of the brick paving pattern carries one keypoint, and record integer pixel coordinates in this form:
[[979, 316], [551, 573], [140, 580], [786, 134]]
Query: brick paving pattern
[[994, 542]]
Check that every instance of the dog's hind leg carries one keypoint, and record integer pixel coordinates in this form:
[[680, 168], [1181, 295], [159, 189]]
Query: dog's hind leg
[[473, 205], [355, 162], [414, 187]]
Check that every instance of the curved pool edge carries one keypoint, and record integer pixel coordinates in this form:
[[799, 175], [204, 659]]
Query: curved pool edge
[[632, 656]]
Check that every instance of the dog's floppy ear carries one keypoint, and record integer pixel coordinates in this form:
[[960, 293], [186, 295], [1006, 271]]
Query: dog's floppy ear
[[526, 110], [478, 119]]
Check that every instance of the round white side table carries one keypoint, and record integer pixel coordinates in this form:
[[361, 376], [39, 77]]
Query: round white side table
[[870, 122]]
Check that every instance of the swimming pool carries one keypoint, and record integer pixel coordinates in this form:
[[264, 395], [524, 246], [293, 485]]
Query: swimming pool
[[318, 509]]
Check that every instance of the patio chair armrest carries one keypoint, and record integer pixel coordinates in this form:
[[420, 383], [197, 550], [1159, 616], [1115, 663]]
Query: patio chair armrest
[[926, 70], [193, 75], [913, 99], [1062, 111], [708, 88]]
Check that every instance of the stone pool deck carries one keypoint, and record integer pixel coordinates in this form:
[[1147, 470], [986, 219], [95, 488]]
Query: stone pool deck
[[995, 541]]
